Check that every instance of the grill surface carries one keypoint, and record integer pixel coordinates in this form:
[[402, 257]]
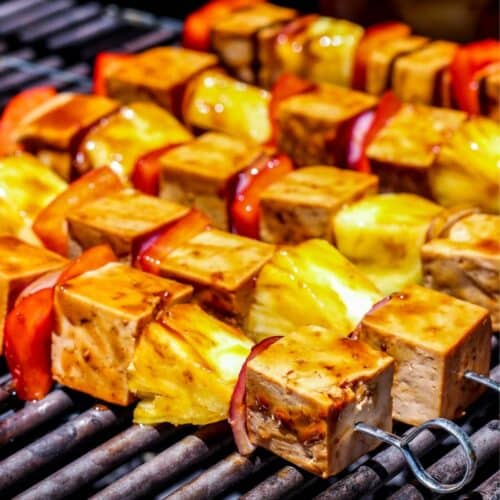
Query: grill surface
[[71, 445]]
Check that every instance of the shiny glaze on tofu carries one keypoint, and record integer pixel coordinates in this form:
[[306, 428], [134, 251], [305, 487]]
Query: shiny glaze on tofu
[[308, 123], [403, 152], [20, 264], [434, 339], [121, 139], [465, 262], [306, 391], [417, 76], [99, 316], [221, 267], [121, 220], [300, 205], [156, 75], [197, 174]]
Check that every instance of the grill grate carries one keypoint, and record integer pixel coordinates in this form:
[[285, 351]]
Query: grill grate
[[70, 445]]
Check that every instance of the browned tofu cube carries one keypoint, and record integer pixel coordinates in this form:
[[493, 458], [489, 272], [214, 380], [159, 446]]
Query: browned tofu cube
[[309, 123], [301, 204], [234, 37], [99, 317], [20, 264], [403, 152], [417, 76], [306, 392], [50, 130], [492, 95], [434, 339], [466, 262], [197, 174], [157, 75], [222, 268], [121, 220]]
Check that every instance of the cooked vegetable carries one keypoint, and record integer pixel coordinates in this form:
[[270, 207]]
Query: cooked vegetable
[[310, 284], [383, 235], [467, 170], [105, 64], [185, 369]]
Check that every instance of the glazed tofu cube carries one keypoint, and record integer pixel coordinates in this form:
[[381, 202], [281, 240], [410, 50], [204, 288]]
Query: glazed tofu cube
[[234, 37], [434, 339], [309, 123], [492, 91], [380, 63], [306, 392], [20, 264], [417, 76], [121, 220], [301, 204], [157, 75], [221, 267], [99, 317], [466, 262], [197, 174], [50, 130], [404, 151]]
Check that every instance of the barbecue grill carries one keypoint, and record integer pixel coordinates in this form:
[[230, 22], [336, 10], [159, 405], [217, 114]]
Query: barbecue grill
[[68, 444]]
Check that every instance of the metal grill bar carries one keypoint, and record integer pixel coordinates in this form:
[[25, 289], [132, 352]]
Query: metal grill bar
[[15, 6], [489, 490]]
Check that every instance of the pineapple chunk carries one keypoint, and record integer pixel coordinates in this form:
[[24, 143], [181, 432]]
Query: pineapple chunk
[[383, 235], [467, 169], [186, 367], [310, 284], [215, 101]]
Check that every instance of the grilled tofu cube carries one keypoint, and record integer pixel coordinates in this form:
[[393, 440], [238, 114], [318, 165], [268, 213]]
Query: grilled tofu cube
[[26, 186], [417, 76], [121, 139], [214, 101], [466, 262], [99, 317], [492, 94], [434, 339], [157, 75], [467, 169], [234, 38], [53, 129], [403, 152], [185, 368], [309, 123], [301, 204], [198, 173], [306, 392], [121, 220], [20, 264], [309, 284], [383, 236], [222, 268], [381, 61]]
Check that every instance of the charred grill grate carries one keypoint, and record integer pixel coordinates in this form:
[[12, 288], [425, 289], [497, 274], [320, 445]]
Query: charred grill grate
[[70, 445]]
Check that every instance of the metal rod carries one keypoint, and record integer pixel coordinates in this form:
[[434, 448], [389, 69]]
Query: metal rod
[[486, 443], [489, 489], [55, 445], [481, 379], [34, 414], [169, 463], [95, 463], [221, 476]]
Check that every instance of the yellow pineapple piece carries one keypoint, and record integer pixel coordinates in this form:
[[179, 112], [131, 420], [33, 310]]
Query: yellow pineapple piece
[[185, 368]]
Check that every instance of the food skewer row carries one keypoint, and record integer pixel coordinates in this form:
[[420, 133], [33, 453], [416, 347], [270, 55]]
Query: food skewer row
[[258, 41]]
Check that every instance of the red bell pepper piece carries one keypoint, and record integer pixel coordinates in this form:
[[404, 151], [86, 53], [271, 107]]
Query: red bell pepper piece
[[146, 174], [157, 247], [244, 210], [286, 86], [198, 25], [465, 71], [17, 108], [372, 38], [29, 327], [105, 64], [50, 224]]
